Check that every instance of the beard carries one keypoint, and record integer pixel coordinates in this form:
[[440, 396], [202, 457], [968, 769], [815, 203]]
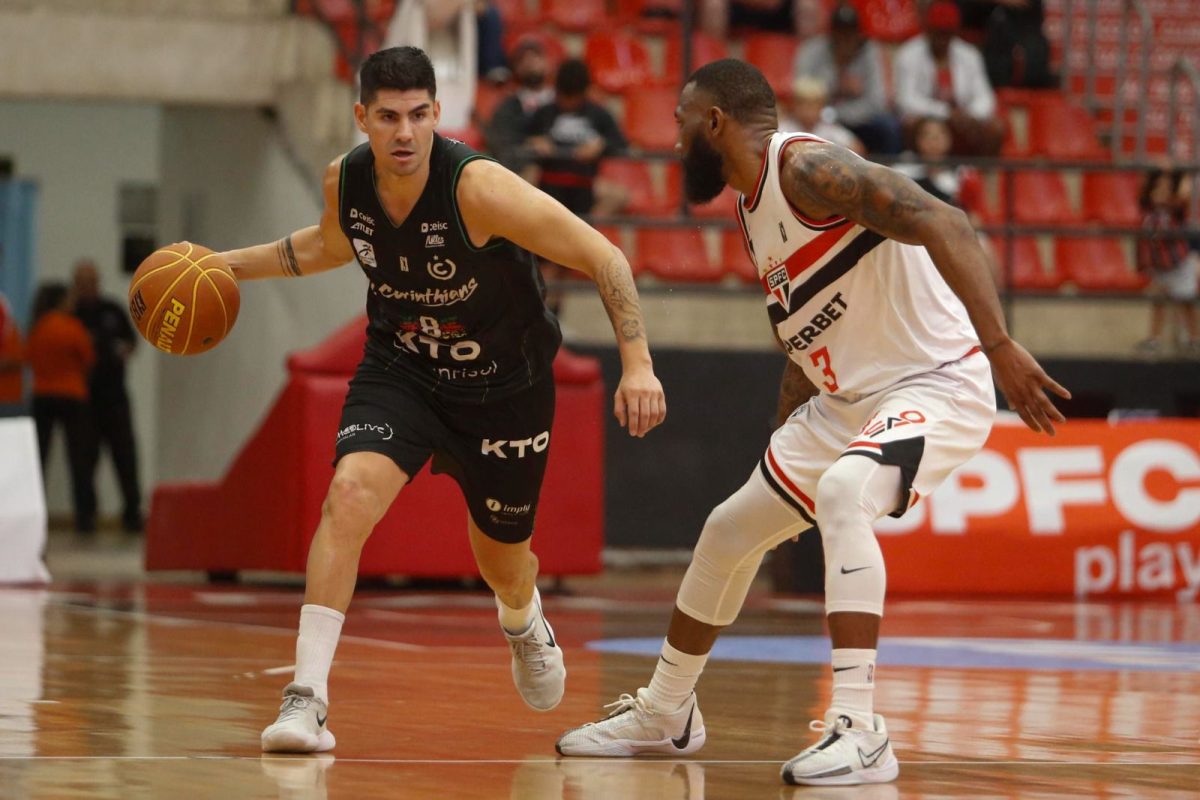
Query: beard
[[702, 172]]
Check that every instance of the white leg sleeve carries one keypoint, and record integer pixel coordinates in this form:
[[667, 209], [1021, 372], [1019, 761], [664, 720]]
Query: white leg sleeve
[[736, 536], [851, 495]]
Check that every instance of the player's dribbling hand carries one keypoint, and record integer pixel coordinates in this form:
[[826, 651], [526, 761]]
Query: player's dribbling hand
[[639, 404], [1024, 384]]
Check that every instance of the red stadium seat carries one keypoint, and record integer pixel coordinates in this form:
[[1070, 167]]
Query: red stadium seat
[[676, 254], [650, 117], [1027, 271], [705, 49], [773, 53], [576, 15], [724, 206], [1059, 129], [618, 61], [1096, 265], [555, 50], [1040, 199], [635, 177], [889, 20], [515, 11], [487, 97], [734, 257], [672, 192], [1111, 198], [650, 16]]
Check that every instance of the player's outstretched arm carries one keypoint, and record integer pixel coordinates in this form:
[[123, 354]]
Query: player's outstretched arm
[[317, 248], [496, 203], [825, 181]]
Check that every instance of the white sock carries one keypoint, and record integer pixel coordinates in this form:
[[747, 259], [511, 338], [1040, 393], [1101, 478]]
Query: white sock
[[518, 620], [674, 678], [320, 628], [854, 686]]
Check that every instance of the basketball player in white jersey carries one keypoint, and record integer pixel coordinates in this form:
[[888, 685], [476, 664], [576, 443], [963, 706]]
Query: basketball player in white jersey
[[883, 300]]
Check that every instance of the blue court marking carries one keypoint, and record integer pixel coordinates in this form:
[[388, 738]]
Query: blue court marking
[[963, 653]]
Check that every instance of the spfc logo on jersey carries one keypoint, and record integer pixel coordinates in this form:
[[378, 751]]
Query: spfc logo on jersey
[[366, 253], [779, 285]]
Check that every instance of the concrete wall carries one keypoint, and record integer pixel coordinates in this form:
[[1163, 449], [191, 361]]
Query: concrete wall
[[228, 183], [79, 154]]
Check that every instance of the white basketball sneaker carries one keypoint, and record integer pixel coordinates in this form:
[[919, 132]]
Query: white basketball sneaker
[[537, 663], [633, 728], [844, 756], [300, 727]]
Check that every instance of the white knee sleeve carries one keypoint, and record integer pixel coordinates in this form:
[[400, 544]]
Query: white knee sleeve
[[853, 493], [736, 535]]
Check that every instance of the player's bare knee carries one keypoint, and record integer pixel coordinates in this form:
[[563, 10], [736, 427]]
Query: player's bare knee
[[352, 507], [509, 579]]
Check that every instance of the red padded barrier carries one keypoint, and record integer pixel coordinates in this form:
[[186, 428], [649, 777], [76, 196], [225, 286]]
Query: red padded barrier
[[262, 514]]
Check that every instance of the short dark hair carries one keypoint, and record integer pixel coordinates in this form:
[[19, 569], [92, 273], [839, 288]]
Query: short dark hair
[[50, 296], [400, 68], [737, 88], [573, 77]]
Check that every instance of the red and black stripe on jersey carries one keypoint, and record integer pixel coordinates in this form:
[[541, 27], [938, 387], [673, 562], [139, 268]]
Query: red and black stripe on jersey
[[806, 256]]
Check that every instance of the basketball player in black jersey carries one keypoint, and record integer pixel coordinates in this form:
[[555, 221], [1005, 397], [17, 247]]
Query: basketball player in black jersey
[[456, 367]]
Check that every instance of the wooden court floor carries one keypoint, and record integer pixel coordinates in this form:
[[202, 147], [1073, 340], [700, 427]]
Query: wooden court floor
[[149, 690]]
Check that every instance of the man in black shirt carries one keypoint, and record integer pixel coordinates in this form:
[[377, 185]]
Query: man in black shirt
[[510, 121], [457, 364], [111, 417], [570, 137]]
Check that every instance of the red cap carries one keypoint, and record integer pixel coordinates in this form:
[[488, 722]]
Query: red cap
[[943, 16]]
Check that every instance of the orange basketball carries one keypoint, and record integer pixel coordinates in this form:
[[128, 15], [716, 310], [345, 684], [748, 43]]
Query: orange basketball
[[184, 299]]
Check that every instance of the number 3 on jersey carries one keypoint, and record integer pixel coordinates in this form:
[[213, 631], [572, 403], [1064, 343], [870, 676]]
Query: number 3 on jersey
[[820, 358]]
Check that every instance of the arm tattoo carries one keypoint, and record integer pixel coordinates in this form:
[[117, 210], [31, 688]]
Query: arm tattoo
[[794, 390], [620, 298], [287, 257], [834, 182]]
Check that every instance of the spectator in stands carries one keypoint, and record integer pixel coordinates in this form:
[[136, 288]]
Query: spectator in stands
[[716, 17], [932, 143], [570, 136], [1164, 255], [509, 126], [850, 67], [12, 363], [111, 419], [939, 75], [805, 111], [61, 355], [1014, 44]]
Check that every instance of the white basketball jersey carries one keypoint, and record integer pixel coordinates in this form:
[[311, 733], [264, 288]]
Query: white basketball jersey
[[857, 311]]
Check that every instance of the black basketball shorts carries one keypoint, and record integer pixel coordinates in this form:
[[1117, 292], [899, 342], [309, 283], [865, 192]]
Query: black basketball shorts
[[496, 450]]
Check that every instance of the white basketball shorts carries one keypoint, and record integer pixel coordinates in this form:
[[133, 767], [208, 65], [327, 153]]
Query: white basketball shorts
[[927, 425]]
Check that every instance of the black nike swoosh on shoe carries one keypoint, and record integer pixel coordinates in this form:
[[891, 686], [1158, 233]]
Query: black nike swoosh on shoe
[[321, 720], [869, 759], [856, 569], [843, 669], [549, 631], [683, 740]]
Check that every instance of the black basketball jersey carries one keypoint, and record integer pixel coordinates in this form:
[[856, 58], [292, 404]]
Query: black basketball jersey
[[469, 323]]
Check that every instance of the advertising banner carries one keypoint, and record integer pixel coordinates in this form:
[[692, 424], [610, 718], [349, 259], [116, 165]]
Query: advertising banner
[[1100, 509]]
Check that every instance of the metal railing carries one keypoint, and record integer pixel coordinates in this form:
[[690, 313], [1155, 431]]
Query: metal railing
[[1128, 9]]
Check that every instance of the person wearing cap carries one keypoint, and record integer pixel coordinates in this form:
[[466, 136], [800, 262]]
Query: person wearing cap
[[939, 75], [509, 126], [850, 67]]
